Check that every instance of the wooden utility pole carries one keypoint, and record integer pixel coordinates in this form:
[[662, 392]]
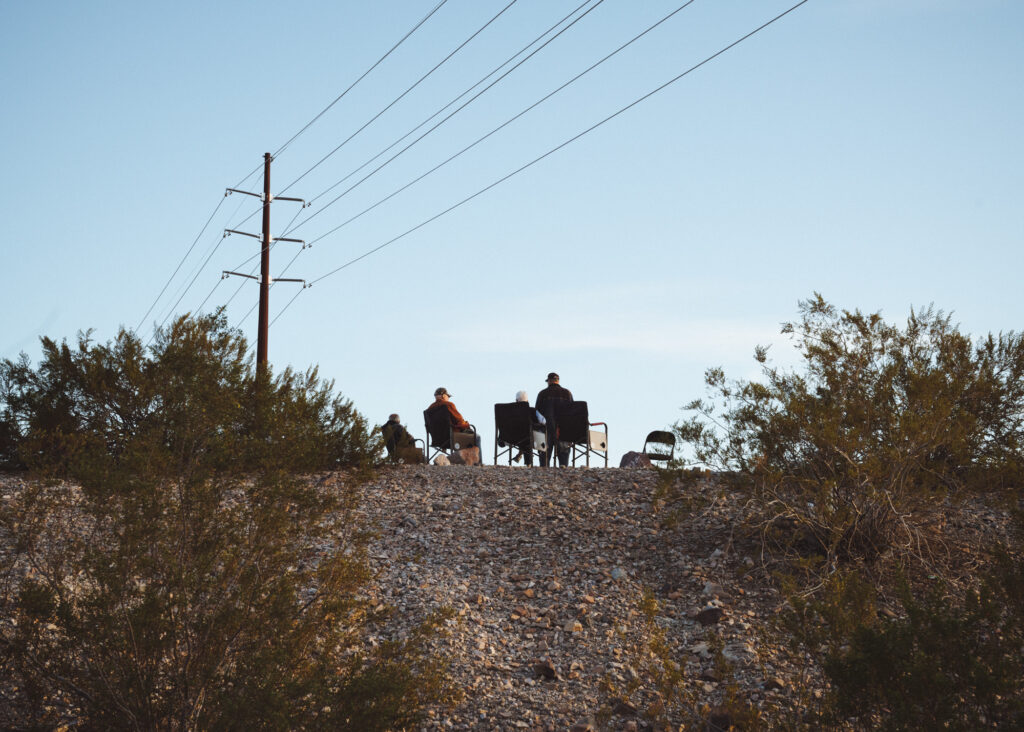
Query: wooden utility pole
[[264, 326], [262, 336]]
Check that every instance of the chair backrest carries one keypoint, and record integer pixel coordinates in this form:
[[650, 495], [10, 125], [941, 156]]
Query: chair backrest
[[572, 421], [660, 437], [513, 423], [439, 427]]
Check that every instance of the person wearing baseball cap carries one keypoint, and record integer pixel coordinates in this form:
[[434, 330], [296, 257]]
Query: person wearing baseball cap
[[545, 404], [442, 400]]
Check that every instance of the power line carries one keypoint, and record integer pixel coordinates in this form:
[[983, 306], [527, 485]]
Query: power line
[[287, 305], [196, 273], [273, 243], [504, 124], [555, 149], [435, 114], [278, 152], [279, 314], [176, 269], [485, 77], [406, 36], [200, 308], [350, 87], [401, 96]]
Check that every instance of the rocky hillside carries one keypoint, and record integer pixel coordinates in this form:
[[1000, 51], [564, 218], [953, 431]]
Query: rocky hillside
[[566, 594], [547, 572]]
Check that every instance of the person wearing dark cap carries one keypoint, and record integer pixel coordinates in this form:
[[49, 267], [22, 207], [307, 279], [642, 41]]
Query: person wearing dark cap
[[545, 404], [442, 400]]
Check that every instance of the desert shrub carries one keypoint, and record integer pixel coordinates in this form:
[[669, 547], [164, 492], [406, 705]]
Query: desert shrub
[[948, 661], [189, 390], [842, 454], [183, 576]]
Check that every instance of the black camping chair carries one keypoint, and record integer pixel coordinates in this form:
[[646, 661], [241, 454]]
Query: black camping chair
[[660, 438], [574, 427], [402, 453], [440, 434], [514, 429]]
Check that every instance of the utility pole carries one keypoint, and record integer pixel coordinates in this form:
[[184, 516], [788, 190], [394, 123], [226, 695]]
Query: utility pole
[[261, 339], [266, 240]]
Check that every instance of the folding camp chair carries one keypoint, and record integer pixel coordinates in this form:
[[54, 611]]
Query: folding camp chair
[[662, 438], [573, 426], [514, 429], [442, 438]]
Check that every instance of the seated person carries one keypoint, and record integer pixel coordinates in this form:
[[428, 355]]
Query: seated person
[[395, 435], [546, 400], [538, 426], [442, 400]]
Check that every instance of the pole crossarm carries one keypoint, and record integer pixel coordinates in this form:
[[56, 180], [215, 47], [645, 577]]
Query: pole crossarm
[[266, 197], [270, 280], [296, 241], [266, 241], [229, 232], [286, 198], [229, 191], [225, 273]]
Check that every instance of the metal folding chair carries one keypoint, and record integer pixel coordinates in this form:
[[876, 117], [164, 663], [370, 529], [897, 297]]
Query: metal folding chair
[[661, 439]]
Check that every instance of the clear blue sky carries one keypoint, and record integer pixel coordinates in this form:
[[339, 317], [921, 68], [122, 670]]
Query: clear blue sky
[[867, 149]]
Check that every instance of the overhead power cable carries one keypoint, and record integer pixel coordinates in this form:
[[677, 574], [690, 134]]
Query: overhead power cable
[[504, 124], [379, 114], [195, 274], [178, 268], [445, 119], [555, 149], [199, 309], [467, 91], [401, 96], [351, 86], [256, 266]]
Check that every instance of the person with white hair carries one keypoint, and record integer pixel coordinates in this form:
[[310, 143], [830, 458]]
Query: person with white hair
[[522, 396], [538, 422]]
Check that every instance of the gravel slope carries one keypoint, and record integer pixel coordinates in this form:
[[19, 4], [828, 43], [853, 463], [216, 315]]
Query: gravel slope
[[546, 569]]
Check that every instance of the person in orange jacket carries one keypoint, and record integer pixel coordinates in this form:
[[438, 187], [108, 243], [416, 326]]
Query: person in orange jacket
[[442, 400]]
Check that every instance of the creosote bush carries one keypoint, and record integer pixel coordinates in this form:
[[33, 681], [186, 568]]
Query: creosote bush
[[170, 569], [851, 464], [946, 661], [880, 423]]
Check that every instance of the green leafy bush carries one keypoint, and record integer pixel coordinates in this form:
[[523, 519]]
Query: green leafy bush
[[184, 577], [193, 393], [880, 422], [852, 464], [946, 662]]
